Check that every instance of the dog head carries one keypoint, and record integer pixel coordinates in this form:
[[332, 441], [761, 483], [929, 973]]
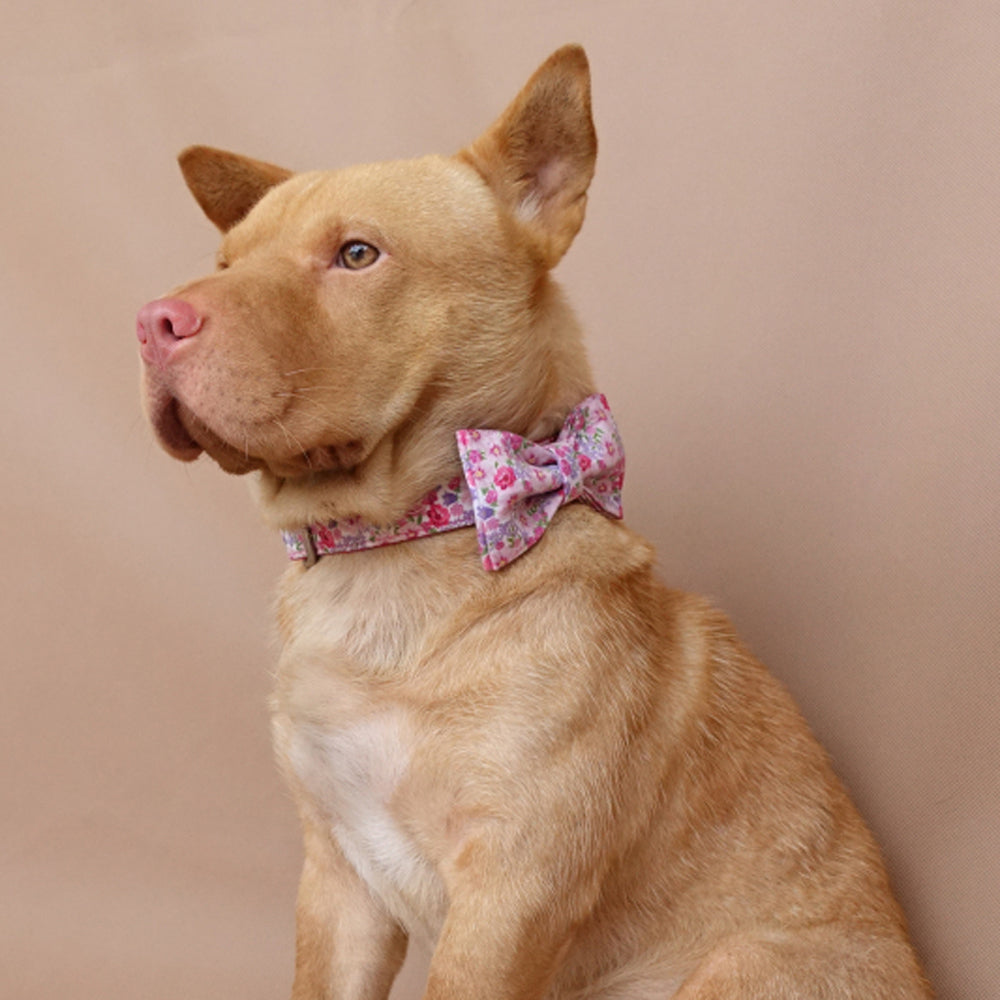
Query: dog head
[[359, 317]]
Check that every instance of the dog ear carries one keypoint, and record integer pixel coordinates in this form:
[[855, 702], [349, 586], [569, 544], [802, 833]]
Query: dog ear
[[538, 157], [227, 185]]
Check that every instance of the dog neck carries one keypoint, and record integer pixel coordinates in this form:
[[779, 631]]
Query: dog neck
[[509, 491], [444, 509]]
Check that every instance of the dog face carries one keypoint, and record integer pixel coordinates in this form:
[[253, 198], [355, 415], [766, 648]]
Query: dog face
[[373, 308], [339, 300]]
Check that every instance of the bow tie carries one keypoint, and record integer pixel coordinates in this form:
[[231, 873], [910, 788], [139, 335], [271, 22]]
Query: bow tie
[[517, 485], [511, 489]]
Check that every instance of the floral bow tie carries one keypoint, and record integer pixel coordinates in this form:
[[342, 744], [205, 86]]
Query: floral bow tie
[[511, 491], [517, 485]]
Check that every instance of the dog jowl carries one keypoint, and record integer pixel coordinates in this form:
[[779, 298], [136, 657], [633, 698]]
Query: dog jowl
[[506, 739]]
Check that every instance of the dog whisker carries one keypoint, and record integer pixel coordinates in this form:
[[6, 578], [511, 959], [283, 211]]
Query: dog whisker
[[300, 389], [302, 371], [295, 442]]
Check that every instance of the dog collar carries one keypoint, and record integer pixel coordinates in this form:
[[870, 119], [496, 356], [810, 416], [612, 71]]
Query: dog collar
[[509, 491]]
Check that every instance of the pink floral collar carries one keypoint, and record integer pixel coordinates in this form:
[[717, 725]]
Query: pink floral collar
[[510, 490]]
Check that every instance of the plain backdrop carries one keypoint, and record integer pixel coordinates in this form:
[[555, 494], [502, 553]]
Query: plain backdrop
[[790, 279]]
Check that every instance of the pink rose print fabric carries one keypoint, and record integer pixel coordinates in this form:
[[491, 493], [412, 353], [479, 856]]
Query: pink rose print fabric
[[512, 488], [517, 485], [445, 509]]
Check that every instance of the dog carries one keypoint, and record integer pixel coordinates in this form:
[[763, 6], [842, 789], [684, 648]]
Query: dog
[[506, 739]]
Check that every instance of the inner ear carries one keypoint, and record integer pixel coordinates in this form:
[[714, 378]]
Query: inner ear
[[539, 155], [227, 185]]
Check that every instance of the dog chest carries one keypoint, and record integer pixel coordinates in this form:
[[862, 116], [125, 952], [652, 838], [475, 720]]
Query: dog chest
[[351, 771], [347, 743]]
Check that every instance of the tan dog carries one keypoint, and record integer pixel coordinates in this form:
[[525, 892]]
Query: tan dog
[[565, 779]]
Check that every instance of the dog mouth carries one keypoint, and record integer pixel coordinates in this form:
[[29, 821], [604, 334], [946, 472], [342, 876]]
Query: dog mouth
[[164, 413], [184, 436]]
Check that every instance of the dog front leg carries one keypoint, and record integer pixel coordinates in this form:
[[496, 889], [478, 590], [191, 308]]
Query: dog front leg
[[347, 947], [509, 925], [487, 955]]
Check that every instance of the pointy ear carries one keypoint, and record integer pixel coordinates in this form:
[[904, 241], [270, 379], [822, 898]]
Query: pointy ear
[[227, 185], [538, 157]]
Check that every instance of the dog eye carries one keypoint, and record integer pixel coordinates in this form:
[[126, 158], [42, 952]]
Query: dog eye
[[357, 255]]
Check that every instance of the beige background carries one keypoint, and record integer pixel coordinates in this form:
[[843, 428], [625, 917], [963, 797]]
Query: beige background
[[790, 279]]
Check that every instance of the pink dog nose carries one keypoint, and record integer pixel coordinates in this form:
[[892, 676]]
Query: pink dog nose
[[162, 324]]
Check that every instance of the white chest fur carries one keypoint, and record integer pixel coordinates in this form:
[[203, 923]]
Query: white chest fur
[[349, 752], [352, 773]]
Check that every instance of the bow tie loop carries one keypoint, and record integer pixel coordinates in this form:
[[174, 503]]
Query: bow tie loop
[[518, 485]]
